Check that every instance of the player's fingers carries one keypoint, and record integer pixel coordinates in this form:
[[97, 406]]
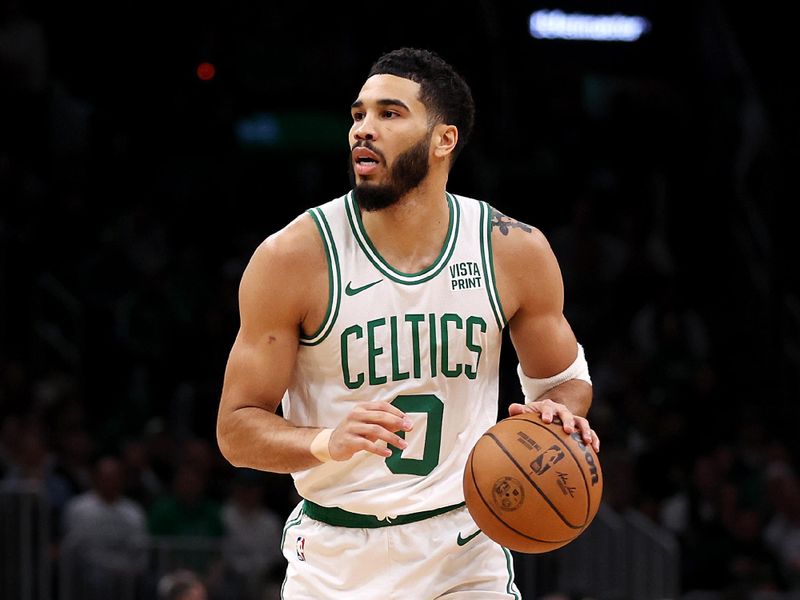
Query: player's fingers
[[390, 422], [567, 418], [547, 408], [582, 425], [595, 440], [373, 412], [375, 432], [382, 407], [374, 448], [517, 409], [356, 443]]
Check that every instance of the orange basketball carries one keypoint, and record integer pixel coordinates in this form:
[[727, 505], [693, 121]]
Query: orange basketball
[[530, 486]]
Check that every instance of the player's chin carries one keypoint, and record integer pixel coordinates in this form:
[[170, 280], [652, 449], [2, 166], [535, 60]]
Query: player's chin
[[365, 180]]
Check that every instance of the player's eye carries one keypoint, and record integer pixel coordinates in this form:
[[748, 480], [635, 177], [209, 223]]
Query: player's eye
[[389, 114], [357, 116]]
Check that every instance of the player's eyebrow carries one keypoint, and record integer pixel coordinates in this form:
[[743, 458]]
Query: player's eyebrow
[[383, 102]]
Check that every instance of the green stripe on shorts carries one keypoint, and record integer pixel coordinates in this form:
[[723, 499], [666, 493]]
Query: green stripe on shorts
[[342, 518]]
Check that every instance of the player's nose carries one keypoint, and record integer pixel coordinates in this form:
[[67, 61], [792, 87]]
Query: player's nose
[[364, 130]]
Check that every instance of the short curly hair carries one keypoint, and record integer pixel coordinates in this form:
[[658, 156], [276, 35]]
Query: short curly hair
[[443, 91]]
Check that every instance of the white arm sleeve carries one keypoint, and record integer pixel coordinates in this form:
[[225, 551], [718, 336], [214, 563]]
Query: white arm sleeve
[[534, 388]]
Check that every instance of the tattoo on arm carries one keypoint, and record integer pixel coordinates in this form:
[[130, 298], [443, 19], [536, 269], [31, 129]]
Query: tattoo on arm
[[505, 223]]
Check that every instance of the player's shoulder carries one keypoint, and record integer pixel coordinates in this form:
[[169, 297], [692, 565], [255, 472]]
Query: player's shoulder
[[515, 242], [527, 271], [291, 242], [295, 249]]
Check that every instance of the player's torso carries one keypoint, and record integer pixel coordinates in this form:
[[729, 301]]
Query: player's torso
[[427, 342]]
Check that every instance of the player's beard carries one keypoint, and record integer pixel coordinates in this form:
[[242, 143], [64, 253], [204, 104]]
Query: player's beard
[[408, 171]]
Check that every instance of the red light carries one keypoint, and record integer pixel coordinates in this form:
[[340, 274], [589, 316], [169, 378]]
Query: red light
[[206, 71]]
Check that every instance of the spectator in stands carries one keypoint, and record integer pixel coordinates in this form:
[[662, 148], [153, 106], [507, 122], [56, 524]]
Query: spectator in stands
[[699, 516], [32, 465], [141, 482], [105, 533], [205, 458], [671, 338], [181, 585], [74, 451], [10, 436], [252, 535], [187, 511], [782, 533]]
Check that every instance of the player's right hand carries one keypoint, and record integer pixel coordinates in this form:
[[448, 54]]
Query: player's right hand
[[366, 427]]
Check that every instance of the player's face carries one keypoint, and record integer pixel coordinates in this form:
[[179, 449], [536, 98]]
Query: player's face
[[389, 140]]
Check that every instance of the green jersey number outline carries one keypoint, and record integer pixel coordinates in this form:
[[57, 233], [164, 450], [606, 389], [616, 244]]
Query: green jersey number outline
[[434, 408]]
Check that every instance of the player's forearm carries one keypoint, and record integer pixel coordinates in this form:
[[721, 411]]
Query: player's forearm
[[575, 394], [255, 438]]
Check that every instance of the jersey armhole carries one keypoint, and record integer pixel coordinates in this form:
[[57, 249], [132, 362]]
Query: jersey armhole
[[334, 280], [487, 258]]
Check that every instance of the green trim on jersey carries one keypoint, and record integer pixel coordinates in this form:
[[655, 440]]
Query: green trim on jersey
[[360, 233], [511, 587], [488, 265], [334, 280], [342, 518]]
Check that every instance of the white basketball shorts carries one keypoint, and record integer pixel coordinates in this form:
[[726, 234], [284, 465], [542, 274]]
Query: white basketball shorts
[[444, 557]]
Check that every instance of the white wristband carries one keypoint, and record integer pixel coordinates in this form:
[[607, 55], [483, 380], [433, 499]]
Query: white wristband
[[534, 388], [319, 446]]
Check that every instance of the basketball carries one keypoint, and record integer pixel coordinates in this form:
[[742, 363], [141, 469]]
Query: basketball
[[530, 486]]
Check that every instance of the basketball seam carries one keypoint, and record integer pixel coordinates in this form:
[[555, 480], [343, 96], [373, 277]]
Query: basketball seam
[[586, 519], [536, 487], [499, 518]]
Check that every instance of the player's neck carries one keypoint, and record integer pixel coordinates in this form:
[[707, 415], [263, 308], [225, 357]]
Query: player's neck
[[409, 234]]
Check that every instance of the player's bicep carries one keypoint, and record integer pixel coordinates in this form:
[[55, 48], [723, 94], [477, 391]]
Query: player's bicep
[[262, 358], [257, 373], [542, 337]]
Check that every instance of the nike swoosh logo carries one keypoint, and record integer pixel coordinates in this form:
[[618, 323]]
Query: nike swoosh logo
[[351, 291], [461, 541]]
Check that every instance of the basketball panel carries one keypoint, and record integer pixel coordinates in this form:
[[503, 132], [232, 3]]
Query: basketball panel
[[508, 497], [550, 465], [589, 463], [493, 527]]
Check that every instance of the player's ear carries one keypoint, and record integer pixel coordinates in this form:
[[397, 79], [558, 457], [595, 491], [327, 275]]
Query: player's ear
[[445, 138]]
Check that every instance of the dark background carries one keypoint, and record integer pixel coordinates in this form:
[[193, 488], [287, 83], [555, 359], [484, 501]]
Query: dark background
[[659, 170]]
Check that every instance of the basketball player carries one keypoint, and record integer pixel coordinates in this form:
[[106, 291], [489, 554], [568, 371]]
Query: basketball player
[[376, 320]]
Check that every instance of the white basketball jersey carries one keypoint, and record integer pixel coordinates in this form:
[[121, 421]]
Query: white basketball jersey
[[427, 342]]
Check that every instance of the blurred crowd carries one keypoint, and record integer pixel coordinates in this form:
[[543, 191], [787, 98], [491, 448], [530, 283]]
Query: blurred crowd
[[123, 236]]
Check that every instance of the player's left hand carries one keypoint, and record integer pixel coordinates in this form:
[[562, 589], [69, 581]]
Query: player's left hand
[[548, 410]]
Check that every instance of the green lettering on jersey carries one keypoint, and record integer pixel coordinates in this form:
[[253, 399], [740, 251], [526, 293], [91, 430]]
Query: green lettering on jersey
[[373, 351], [397, 375], [432, 338], [348, 381], [450, 337], [415, 320], [445, 319], [471, 321], [433, 407]]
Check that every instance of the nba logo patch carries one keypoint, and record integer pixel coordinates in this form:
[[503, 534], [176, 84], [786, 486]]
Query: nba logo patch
[[300, 547]]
